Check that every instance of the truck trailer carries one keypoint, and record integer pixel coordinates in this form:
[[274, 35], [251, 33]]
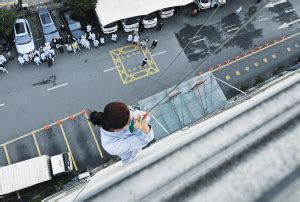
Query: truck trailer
[[24, 174]]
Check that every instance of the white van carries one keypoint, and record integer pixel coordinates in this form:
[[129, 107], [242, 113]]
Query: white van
[[204, 4], [130, 24], [218, 3], [149, 20], [166, 12], [110, 28]]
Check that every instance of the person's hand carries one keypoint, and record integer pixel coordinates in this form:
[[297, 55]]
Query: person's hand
[[140, 123]]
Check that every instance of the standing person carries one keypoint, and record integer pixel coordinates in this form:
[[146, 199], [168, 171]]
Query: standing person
[[96, 43], [154, 44], [129, 38], [159, 26], [124, 132], [43, 57], [49, 61], [63, 28], [101, 40], [75, 47], [145, 61], [114, 37], [26, 58], [136, 31], [87, 44], [88, 28], [69, 48], [136, 39], [2, 68], [37, 60], [9, 56], [21, 60]]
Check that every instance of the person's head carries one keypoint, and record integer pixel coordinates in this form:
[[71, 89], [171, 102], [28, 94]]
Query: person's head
[[115, 117]]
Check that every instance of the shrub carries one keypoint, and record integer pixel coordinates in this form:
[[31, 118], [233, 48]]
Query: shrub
[[258, 80], [244, 87]]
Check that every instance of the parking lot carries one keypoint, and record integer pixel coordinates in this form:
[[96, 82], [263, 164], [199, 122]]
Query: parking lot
[[73, 134]]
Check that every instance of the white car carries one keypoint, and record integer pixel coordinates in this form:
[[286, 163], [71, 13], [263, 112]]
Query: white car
[[204, 4], [110, 28], [23, 36], [166, 12], [150, 20], [218, 3], [130, 24]]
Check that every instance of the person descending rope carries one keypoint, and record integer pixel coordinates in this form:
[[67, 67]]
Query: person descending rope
[[124, 131]]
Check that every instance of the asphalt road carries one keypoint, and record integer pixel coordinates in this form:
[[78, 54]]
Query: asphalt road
[[90, 79]]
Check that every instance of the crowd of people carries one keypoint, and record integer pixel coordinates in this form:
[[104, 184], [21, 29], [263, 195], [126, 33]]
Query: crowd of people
[[47, 52]]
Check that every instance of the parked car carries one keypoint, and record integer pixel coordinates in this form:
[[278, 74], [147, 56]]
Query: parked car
[[73, 25], [149, 20], [110, 28], [48, 27], [4, 43], [130, 24], [166, 12], [215, 3], [204, 4], [23, 37]]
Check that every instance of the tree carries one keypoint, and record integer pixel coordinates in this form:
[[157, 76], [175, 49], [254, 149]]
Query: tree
[[7, 18], [82, 7]]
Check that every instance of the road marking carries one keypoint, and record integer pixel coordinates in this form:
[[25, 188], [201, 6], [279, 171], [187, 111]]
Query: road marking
[[286, 25], [68, 146], [265, 60], [57, 86], [289, 49], [94, 136], [198, 40], [274, 56], [38, 39], [227, 77], [2, 105], [6, 155], [297, 46], [230, 30], [159, 53], [256, 64], [288, 11], [107, 70], [247, 68], [195, 37], [36, 144], [229, 26], [264, 19], [237, 73]]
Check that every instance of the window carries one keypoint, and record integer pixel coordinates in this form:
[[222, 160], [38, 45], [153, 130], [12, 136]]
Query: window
[[46, 19], [20, 28]]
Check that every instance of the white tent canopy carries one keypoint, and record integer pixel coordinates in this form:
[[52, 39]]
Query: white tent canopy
[[109, 11]]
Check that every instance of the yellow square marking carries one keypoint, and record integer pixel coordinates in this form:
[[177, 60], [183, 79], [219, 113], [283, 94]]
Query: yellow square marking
[[133, 73], [256, 64], [237, 73], [289, 49], [247, 68], [274, 56], [128, 55], [265, 60], [227, 77]]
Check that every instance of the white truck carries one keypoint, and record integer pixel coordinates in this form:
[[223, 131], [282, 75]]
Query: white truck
[[33, 171]]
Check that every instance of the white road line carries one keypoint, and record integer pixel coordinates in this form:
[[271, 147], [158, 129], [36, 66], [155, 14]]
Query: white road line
[[194, 37], [288, 11], [158, 53], [110, 69], [198, 40], [38, 39], [57, 86], [263, 19], [229, 26], [2, 105], [230, 30]]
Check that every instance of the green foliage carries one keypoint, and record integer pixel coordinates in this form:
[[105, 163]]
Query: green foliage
[[244, 87], [7, 18], [82, 7], [279, 69], [258, 80]]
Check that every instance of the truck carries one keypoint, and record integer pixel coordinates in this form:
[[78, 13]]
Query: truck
[[24, 174]]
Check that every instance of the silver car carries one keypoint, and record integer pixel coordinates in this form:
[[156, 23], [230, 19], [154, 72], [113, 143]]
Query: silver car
[[23, 36], [48, 27]]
